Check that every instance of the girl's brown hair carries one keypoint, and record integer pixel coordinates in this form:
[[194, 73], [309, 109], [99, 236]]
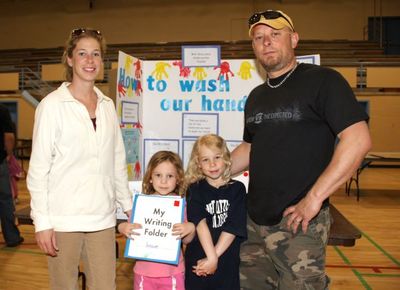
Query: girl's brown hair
[[158, 158]]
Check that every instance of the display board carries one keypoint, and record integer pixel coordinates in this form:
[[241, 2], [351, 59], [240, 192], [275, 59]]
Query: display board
[[163, 105]]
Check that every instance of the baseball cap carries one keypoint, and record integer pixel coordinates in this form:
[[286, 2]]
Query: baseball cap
[[273, 18]]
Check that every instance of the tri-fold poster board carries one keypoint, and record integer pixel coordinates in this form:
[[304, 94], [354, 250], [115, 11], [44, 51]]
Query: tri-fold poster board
[[163, 105]]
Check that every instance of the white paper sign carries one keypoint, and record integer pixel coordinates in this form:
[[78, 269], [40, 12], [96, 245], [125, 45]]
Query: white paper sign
[[157, 214], [152, 146], [201, 56], [130, 112], [198, 124]]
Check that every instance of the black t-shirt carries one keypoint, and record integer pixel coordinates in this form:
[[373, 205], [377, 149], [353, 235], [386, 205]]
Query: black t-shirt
[[6, 126], [292, 130], [224, 209]]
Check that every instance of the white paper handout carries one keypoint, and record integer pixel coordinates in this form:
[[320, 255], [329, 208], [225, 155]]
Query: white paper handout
[[157, 214]]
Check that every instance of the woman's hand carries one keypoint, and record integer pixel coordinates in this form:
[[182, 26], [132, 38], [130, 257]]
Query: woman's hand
[[46, 241], [128, 229]]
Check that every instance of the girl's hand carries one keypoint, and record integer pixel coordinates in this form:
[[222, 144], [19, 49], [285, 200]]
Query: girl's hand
[[128, 229], [183, 229], [205, 267]]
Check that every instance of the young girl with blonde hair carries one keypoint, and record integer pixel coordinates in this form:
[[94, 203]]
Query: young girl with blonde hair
[[217, 206]]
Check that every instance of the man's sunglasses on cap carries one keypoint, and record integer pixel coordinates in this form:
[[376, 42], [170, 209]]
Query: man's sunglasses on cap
[[269, 14]]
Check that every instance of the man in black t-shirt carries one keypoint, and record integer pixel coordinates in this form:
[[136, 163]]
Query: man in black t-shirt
[[9, 229], [291, 124]]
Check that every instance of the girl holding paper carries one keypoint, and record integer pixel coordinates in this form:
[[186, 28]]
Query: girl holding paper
[[164, 176], [217, 206]]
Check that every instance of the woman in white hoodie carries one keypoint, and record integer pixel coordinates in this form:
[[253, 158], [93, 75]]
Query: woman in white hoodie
[[77, 171]]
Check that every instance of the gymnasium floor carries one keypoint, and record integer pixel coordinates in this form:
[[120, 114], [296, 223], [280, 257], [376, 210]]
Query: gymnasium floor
[[373, 263]]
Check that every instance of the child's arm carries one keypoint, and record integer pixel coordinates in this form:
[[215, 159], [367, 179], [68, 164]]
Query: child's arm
[[128, 229], [185, 231], [224, 241], [210, 264]]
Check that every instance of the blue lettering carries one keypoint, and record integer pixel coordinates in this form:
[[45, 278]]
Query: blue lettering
[[230, 104], [186, 86], [161, 85], [150, 81], [127, 82], [242, 103], [220, 105], [165, 104], [177, 105], [212, 86], [201, 86], [223, 85], [205, 103], [121, 75]]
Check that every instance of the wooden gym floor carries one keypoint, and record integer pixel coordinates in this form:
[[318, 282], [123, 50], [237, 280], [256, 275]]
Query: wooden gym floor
[[373, 263]]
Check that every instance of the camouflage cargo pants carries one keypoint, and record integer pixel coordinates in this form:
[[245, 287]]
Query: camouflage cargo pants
[[292, 261]]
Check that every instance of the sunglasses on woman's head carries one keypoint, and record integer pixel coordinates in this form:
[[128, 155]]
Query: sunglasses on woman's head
[[79, 31], [269, 14]]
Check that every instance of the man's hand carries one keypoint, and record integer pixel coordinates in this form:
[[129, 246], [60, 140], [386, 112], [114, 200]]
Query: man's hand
[[301, 213]]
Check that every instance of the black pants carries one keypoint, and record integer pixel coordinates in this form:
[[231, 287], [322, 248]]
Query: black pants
[[9, 229]]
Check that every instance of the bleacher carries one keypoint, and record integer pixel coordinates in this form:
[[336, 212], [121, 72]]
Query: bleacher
[[350, 57], [330, 51]]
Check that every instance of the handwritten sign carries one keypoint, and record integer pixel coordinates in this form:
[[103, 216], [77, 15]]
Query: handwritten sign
[[157, 214]]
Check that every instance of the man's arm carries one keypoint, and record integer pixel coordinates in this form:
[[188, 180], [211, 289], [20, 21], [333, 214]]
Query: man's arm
[[240, 158], [354, 144]]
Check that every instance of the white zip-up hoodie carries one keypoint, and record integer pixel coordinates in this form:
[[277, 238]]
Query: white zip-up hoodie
[[76, 174]]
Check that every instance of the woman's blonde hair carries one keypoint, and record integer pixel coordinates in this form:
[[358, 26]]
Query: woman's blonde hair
[[158, 158], [74, 37], [212, 141]]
